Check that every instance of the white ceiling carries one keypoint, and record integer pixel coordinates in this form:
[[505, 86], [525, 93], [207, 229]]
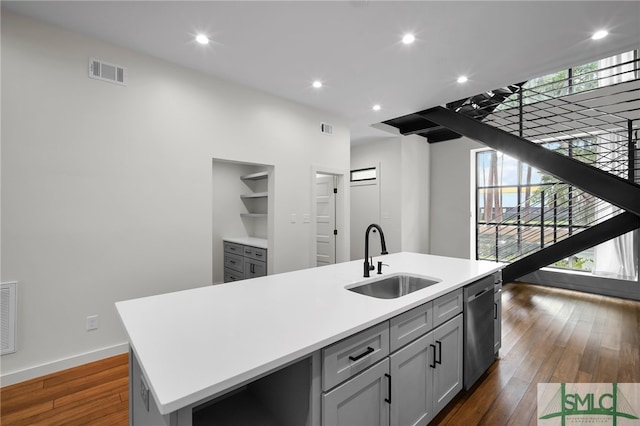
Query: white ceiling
[[354, 46]]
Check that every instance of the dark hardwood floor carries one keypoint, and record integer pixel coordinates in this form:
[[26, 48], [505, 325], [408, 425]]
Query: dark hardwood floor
[[548, 335]]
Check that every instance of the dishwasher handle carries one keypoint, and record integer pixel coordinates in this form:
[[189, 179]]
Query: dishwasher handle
[[473, 297]]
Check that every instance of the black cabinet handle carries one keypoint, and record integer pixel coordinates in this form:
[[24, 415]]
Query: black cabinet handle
[[388, 400], [439, 360], [495, 311], [363, 354], [434, 357]]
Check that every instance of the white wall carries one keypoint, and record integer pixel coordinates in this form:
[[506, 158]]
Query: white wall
[[107, 190], [450, 201], [384, 154], [404, 191], [416, 175]]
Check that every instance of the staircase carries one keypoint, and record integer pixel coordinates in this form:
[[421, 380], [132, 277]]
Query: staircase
[[583, 130]]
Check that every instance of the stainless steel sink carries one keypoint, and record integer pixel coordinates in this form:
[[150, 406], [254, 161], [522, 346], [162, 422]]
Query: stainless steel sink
[[393, 287]]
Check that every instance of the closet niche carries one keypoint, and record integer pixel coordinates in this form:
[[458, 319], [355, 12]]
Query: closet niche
[[241, 206]]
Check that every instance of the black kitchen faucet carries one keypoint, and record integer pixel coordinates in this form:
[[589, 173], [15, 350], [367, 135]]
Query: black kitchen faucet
[[369, 266]]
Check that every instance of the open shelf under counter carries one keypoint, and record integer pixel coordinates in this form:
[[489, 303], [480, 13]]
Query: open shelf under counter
[[239, 409]]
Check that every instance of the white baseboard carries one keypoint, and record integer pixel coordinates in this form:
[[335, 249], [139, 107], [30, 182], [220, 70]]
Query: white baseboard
[[62, 364]]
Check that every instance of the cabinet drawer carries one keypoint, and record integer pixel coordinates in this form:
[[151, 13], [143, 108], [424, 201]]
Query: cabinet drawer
[[446, 307], [234, 262], [255, 253], [230, 275], [354, 354], [407, 327], [233, 248], [253, 268]]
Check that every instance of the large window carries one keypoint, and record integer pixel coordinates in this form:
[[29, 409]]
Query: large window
[[521, 209], [612, 70]]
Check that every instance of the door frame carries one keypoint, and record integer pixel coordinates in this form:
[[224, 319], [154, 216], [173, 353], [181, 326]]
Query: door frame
[[342, 213]]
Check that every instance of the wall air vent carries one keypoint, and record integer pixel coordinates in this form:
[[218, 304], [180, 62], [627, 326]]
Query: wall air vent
[[326, 128], [105, 71], [8, 306]]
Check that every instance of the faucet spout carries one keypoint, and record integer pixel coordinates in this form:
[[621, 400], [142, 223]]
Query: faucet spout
[[369, 266]]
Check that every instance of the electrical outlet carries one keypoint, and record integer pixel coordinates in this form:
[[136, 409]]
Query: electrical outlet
[[144, 393], [92, 322]]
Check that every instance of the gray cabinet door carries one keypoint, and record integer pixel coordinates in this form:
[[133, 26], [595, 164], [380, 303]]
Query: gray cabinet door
[[359, 401], [447, 376], [497, 321], [411, 383], [253, 268]]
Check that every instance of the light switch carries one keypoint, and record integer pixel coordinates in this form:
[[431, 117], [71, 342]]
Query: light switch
[[294, 218], [306, 218]]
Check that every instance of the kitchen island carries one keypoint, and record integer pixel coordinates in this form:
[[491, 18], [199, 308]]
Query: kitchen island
[[191, 347]]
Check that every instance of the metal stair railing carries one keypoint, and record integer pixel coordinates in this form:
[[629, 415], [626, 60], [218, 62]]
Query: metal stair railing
[[591, 116], [582, 129], [607, 186], [549, 216], [592, 126]]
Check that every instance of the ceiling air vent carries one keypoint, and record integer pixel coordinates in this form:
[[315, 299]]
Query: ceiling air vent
[[326, 128], [105, 71]]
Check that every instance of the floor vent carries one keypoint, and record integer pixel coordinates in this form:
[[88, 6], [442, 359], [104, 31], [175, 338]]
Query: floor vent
[[8, 315], [326, 128], [105, 71]]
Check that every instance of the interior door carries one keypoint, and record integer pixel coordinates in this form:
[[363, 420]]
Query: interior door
[[325, 220]]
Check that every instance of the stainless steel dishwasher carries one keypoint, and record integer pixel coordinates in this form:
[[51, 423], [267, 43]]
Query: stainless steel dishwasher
[[478, 329]]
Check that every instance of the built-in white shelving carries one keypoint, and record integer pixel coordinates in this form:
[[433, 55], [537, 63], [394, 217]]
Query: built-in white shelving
[[255, 176], [256, 202], [255, 195]]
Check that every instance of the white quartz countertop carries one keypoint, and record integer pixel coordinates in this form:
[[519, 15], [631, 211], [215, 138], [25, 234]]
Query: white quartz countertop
[[248, 241], [197, 343]]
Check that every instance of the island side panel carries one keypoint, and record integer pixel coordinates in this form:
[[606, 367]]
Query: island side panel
[[143, 410]]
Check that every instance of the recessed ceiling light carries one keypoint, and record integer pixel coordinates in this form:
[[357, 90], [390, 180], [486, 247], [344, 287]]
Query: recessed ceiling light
[[317, 84], [376, 107], [599, 34], [408, 38], [202, 39], [462, 79]]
